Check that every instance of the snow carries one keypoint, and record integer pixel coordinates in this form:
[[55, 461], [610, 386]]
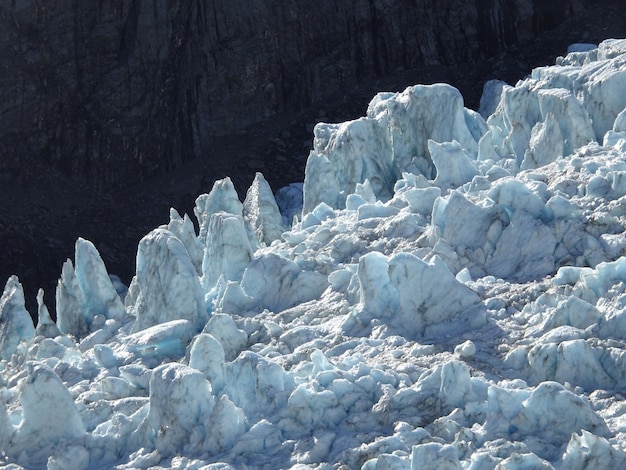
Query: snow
[[446, 290]]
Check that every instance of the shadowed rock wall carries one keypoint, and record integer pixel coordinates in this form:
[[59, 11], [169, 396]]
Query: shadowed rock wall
[[113, 91]]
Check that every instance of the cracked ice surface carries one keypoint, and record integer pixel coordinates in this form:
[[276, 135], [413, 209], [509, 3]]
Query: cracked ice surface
[[451, 295]]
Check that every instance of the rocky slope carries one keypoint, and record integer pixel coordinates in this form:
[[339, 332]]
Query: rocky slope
[[115, 91]]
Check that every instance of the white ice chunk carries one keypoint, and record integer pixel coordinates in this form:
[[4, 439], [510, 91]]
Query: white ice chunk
[[514, 118], [414, 297], [85, 293], [526, 461], [165, 340], [611, 48], [549, 414], [525, 250], [435, 456], [363, 194], [15, 321], [587, 452], [70, 318], [261, 211], [546, 144], [49, 416], [387, 462], [312, 408], [45, 326], [620, 122], [573, 311], [486, 148], [466, 349], [561, 208], [476, 125], [463, 224], [228, 250], [255, 384], [572, 361], [207, 355], [183, 229], [222, 198], [181, 404], [417, 114], [603, 97], [167, 284], [454, 164], [617, 140], [98, 294], [74, 457], [377, 295], [421, 200], [513, 194], [233, 340], [574, 122], [276, 283], [344, 155], [449, 385]]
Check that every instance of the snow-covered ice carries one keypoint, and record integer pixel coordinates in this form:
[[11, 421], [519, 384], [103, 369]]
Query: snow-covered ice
[[446, 290]]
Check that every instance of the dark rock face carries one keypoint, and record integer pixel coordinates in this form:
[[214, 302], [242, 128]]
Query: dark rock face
[[114, 91]]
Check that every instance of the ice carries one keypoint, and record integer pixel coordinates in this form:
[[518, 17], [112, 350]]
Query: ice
[[545, 145], [435, 456], [183, 229], [417, 114], [383, 145], [524, 250], [15, 322], [166, 286], [228, 250], [454, 164], [70, 318], [261, 211], [232, 339], [274, 282], [99, 297], [344, 155], [85, 295], [581, 47], [45, 326], [181, 404], [222, 198], [49, 417], [289, 201], [574, 123], [207, 355], [163, 340], [466, 349], [451, 295], [586, 451], [492, 91]]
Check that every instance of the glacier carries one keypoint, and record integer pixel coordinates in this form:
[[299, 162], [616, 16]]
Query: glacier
[[446, 290]]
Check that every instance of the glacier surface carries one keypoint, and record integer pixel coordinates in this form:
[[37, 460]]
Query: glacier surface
[[446, 290]]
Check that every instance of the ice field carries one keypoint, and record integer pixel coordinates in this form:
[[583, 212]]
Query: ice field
[[446, 290]]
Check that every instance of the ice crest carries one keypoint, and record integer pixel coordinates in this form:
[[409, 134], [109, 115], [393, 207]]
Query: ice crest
[[15, 322], [166, 286]]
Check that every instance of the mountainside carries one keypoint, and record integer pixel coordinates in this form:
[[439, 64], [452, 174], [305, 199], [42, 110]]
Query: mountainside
[[115, 91]]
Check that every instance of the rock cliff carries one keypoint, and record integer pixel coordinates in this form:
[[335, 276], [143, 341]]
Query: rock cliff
[[114, 91]]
